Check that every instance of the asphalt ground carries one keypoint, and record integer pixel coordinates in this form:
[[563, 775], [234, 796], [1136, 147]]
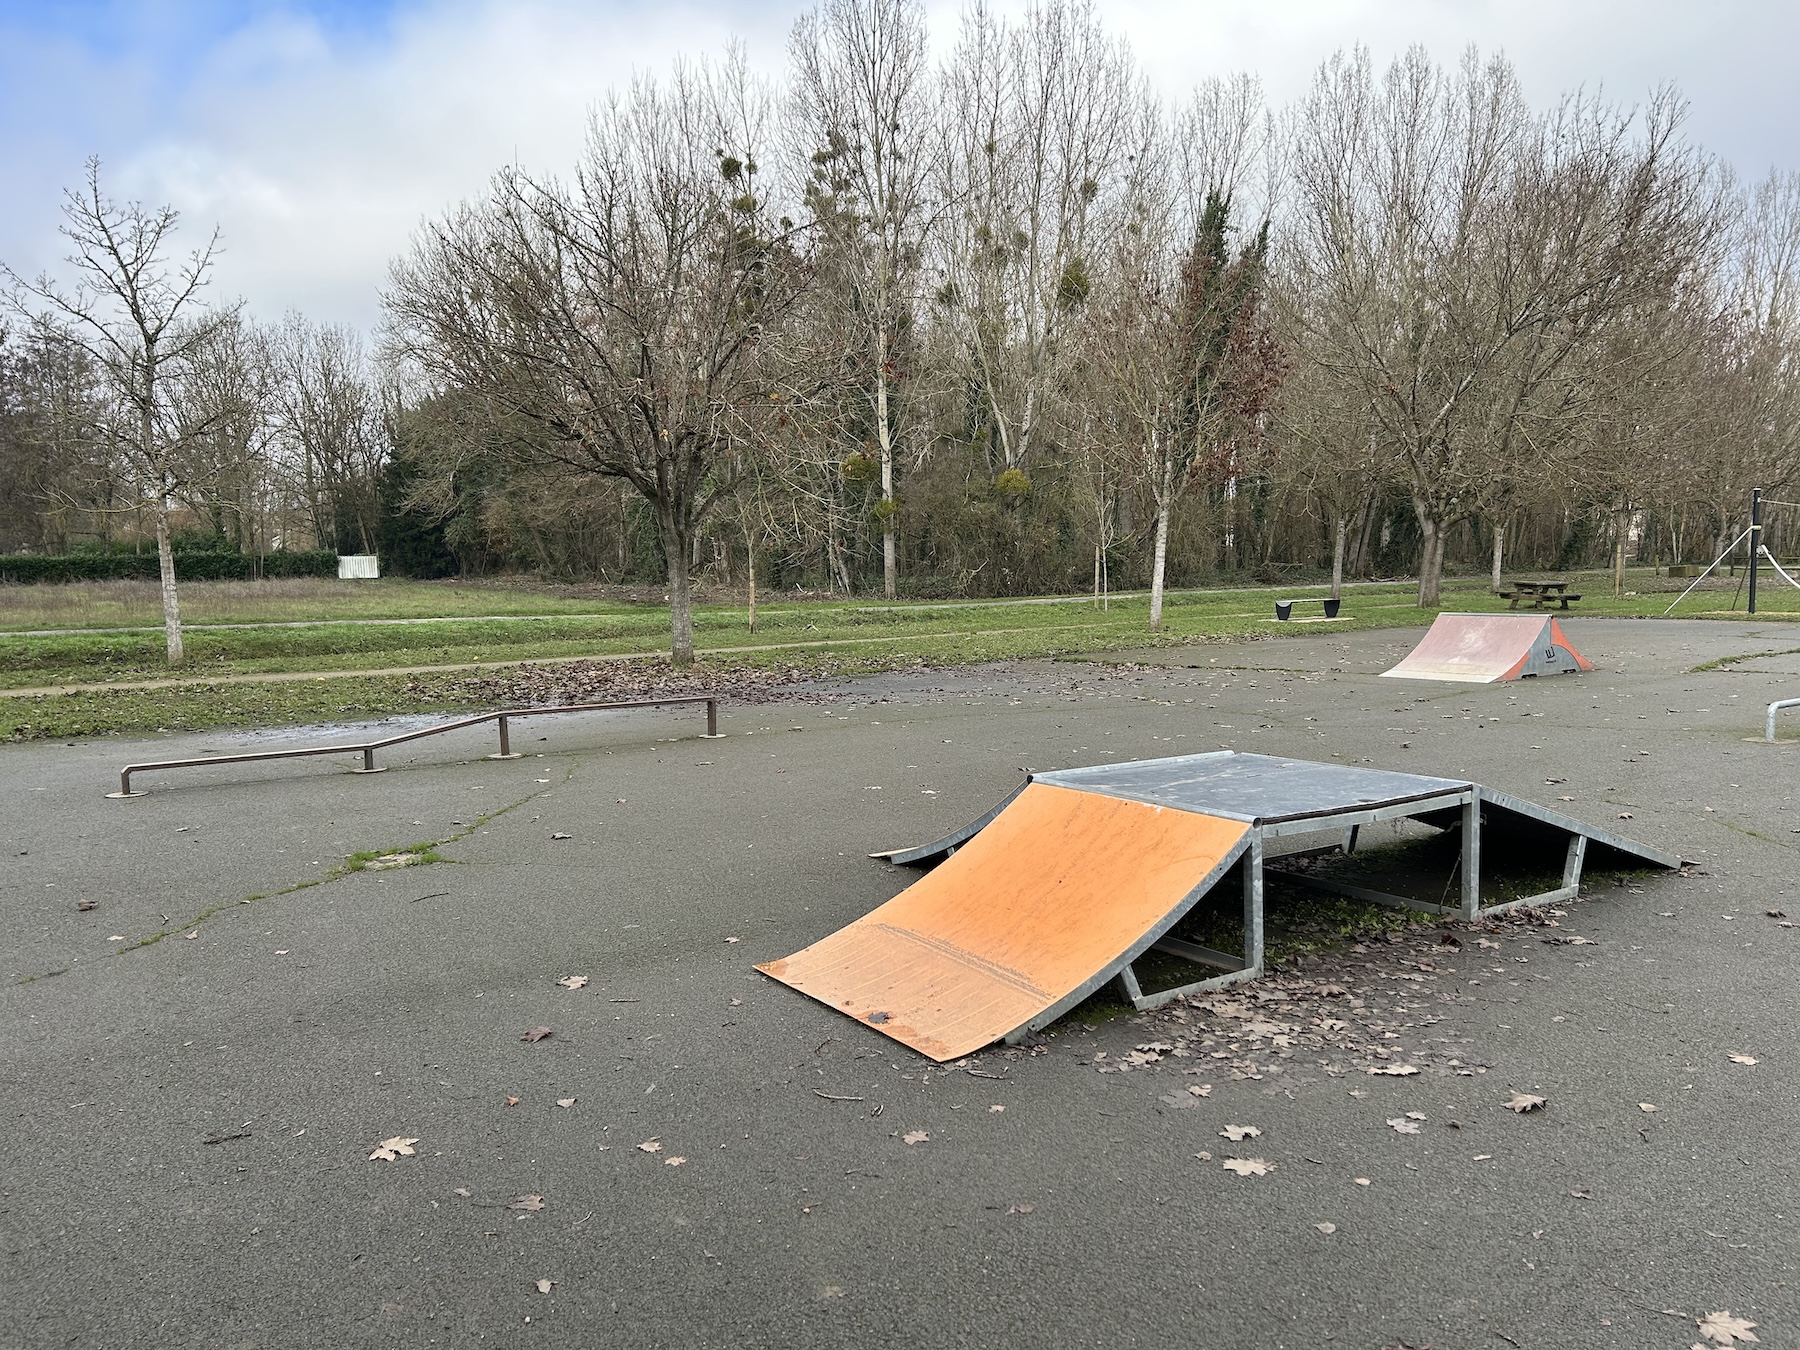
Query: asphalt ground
[[189, 1122]]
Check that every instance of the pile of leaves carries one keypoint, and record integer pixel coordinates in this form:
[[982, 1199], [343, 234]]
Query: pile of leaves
[[1373, 1007], [533, 685]]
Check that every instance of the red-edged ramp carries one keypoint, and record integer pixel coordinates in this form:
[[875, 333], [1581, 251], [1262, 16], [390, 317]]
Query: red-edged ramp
[[1486, 648]]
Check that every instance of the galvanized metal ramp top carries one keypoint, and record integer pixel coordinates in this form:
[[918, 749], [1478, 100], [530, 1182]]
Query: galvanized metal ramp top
[[1259, 789]]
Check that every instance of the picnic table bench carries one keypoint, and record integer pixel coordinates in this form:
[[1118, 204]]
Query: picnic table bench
[[1540, 593]]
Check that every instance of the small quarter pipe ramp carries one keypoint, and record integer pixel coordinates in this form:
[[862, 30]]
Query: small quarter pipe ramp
[[1080, 873], [1486, 648], [1020, 923]]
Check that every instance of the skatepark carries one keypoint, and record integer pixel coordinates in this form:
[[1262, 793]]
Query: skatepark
[[699, 1155]]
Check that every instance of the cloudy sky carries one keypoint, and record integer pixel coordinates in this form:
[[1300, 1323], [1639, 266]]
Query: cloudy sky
[[318, 133]]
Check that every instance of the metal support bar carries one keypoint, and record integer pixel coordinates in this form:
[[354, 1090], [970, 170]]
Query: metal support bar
[[1572, 862], [367, 749], [1363, 893], [1194, 952], [1350, 838], [1253, 904], [1471, 857]]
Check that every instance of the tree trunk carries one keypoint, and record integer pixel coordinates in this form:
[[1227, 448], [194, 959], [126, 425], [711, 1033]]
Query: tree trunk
[[1499, 553], [165, 557], [1165, 498], [1337, 559], [1431, 560], [750, 566], [676, 536], [1621, 526], [890, 570]]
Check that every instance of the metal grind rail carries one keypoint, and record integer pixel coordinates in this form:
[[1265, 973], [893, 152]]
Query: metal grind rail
[[1775, 707], [367, 749]]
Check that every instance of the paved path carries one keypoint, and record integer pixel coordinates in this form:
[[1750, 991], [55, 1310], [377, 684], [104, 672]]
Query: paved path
[[187, 1161]]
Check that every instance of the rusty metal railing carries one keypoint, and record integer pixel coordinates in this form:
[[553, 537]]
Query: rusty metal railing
[[367, 749]]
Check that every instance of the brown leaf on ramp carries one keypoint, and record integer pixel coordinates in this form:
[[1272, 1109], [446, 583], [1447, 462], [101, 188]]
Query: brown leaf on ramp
[[573, 981], [1237, 1133], [389, 1149], [565, 1102], [537, 1034], [1395, 1070], [1522, 1102], [651, 1146], [1401, 1125], [915, 1137], [1742, 1059], [528, 1202], [544, 1286], [673, 1162]]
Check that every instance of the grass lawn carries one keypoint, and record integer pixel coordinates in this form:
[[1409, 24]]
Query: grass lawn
[[332, 629]]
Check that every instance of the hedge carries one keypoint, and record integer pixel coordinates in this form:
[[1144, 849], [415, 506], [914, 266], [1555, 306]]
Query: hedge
[[36, 567]]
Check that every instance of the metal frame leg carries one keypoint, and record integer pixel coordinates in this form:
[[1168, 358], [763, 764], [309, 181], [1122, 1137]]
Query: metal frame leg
[[1471, 857], [1253, 906]]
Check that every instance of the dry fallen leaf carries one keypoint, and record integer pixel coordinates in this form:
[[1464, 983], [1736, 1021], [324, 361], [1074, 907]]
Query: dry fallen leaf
[[651, 1146], [1200, 1089], [1326, 1228], [1401, 1125], [85, 905], [565, 1102], [673, 1162], [1522, 1102], [573, 981], [915, 1137], [191, 936], [1723, 1329], [389, 1149], [536, 1034], [512, 1101], [1362, 1181], [545, 1286], [1484, 942], [1742, 1059], [1415, 1115], [1026, 1208], [1248, 1167], [1396, 1070], [560, 835], [995, 1109], [462, 1191], [1646, 1107], [1482, 1157], [1236, 1133], [530, 1202]]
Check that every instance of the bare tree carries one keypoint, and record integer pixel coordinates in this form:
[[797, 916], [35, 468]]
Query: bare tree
[[863, 96], [1044, 121], [137, 314], [626, 324], [333, 428]]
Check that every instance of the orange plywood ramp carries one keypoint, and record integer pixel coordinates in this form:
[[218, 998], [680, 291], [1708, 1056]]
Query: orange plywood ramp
[[1486, 648], [1020, 923]]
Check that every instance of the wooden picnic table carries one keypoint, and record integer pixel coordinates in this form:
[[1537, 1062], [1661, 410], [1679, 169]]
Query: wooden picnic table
[[1540, 593]]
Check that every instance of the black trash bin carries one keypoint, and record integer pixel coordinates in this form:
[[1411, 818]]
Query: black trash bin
[[1284, 610], [1331, 608]]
